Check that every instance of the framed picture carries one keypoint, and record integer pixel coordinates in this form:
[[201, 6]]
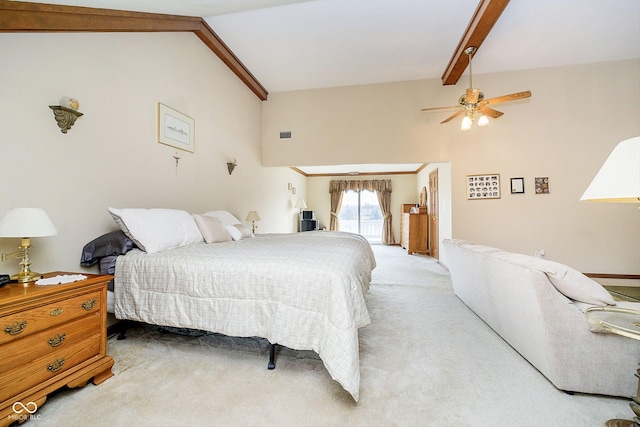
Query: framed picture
[[175, 129], [542, 185], [517, 185], [483, 186]]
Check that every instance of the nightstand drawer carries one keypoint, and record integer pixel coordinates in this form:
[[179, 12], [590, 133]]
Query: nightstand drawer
[[18, 325], [44, 368], [48, 341]]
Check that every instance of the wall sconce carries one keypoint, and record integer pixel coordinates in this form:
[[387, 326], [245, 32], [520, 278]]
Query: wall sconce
[[232, 166], [66, 113]]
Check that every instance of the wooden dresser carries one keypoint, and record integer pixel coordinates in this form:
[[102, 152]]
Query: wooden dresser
[[50, 337], [414, 230]]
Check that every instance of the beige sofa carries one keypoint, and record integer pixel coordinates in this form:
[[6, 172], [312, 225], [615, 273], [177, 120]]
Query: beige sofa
[[519, 297]]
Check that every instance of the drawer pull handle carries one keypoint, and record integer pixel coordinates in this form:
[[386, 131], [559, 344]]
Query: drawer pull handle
[[57, 340], [56, 312], [56, 365], [16, 328], [88, 305]]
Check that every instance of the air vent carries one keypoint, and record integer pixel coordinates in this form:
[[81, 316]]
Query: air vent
[[285, 134]]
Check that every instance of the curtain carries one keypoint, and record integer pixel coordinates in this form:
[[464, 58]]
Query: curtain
[[336, 203], [384, 199], [382, 187]]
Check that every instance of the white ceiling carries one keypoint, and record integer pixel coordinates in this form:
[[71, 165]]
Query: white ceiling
[[292, 44]]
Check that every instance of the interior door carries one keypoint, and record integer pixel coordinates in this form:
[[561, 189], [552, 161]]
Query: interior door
[[433, 214]]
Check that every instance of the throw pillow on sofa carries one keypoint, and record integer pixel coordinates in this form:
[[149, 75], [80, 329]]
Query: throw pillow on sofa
[[569, 282]]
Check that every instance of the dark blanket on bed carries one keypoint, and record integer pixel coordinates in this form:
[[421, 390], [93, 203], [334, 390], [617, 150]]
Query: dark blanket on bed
[[104, 250]]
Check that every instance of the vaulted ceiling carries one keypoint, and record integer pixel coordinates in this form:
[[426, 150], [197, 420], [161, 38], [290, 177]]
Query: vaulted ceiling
[[293, 44], [285, 45]]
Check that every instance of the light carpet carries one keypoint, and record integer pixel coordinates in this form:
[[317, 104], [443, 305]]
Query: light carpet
[[426, 360]]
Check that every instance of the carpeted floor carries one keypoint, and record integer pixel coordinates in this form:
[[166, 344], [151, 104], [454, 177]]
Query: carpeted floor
[[426, 360]]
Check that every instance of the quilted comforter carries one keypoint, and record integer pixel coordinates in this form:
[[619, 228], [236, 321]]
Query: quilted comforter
[[305, 291]]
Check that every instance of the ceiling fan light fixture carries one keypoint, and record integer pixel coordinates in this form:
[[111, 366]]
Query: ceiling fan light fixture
[[483, 120], [466, 123]]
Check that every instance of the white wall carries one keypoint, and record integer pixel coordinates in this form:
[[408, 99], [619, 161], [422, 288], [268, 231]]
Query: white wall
[[111, 156], [577, 114]]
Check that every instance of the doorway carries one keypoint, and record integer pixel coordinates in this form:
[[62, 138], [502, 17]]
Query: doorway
[[360, 213]]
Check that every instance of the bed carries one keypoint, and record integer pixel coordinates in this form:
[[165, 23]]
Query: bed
[[305, 291]]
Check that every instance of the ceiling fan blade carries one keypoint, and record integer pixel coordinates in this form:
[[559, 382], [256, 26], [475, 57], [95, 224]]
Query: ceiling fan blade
[[473, 95], [440, 108], [453, 116], [507, 98], [490, 112]]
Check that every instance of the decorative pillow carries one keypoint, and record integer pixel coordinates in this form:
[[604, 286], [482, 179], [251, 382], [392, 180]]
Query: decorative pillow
[[212, 229], [239, 232], [569, 282], [224, 216], [154, 230], [579, 287]]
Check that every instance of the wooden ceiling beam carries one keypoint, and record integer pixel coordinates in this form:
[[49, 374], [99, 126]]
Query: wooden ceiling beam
[[483, 20], [38, 17]]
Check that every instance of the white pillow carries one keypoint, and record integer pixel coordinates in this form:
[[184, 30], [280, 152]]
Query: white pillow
[[569, 282], [579, 287], [212, 229], [154, 230], [239, 232], [224, 216]]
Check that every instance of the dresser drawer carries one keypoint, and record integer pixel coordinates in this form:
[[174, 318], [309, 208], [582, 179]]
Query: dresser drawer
[[50, 340], [18, 325], [38, 371]]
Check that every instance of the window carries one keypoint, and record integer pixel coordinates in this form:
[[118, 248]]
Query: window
[[360, 213]]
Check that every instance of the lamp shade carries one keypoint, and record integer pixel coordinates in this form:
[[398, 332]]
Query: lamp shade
[[618, 180], [300, 204], [26, 222], [253, 216]]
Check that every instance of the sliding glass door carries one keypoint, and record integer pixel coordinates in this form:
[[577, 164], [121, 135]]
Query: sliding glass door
[[361, 214]]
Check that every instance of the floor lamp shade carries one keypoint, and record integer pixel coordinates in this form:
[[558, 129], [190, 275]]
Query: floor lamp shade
[[618, 180]]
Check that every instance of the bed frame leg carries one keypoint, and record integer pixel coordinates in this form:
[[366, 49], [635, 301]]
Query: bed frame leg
[[119, 328], [272, 356]]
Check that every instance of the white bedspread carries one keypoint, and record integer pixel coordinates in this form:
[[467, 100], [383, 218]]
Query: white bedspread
[[304, 291]]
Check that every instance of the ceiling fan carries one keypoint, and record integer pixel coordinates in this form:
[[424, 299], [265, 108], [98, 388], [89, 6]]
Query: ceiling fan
[[473, 105]]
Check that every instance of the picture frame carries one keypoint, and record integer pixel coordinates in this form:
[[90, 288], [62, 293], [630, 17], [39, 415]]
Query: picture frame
[[542, 185], [482, 187], [517, 185], [175, 129]]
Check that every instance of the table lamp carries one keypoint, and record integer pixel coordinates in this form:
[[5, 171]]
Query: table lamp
[[253, 217], [25, 223], [618, 180]]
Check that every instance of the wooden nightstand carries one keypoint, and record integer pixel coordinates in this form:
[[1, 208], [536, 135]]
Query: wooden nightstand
[[50, 337]]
